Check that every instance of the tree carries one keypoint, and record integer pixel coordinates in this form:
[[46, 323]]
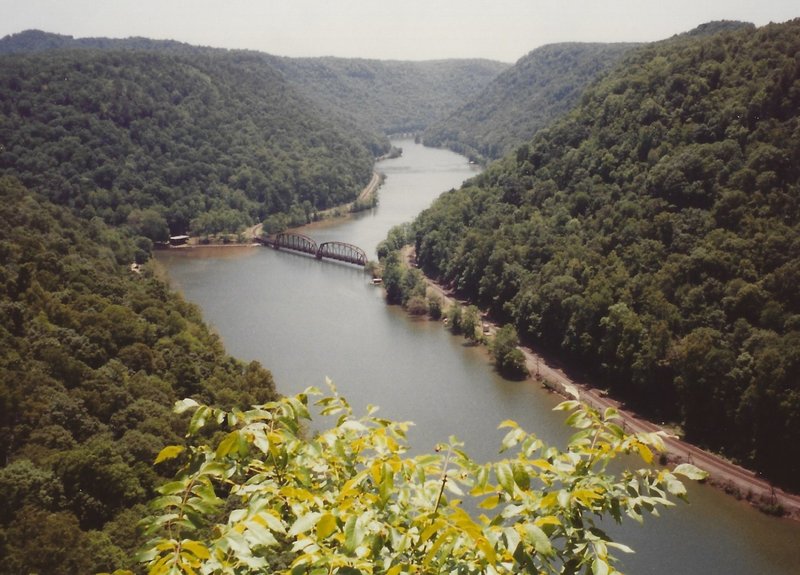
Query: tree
[[265, 498], [454, 315], [392, 278], [435, 307], [150, 223], [508, 358], [470, 323], [46, 542], [417, 305]]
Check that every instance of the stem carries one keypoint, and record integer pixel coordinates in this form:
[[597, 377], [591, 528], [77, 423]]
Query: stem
[[443, 480]]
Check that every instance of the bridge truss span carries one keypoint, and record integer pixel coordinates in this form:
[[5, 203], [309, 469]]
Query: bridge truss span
[[343, 252], [339, 251], [296, 242]]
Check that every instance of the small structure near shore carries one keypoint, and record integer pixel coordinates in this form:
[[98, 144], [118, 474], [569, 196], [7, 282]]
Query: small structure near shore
[[178, 240]]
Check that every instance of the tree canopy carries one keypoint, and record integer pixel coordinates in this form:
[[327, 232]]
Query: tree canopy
[[208, 141], [540, 87], [92, 356]]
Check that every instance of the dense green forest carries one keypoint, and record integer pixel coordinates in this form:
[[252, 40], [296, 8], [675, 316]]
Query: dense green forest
[[390, 97], [176, 143], [372, 97], [651, 238], [539, 88], [92, 357]]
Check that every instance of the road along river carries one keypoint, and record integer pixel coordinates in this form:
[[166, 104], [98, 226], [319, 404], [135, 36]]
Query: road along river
[[306, 320]]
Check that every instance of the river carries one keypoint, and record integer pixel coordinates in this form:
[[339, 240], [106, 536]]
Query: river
[[307, 320]]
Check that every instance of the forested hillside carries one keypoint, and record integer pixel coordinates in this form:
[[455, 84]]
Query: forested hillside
[[381, 97], [92, 357], [389, 96], [539, 88], [176, 143], [652, 237], [31, 41]]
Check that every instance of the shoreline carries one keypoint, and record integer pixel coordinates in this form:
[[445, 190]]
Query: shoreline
[[327, 216], [739, 482]]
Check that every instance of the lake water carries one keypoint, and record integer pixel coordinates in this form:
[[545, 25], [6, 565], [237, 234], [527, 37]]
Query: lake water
[[307, 320]]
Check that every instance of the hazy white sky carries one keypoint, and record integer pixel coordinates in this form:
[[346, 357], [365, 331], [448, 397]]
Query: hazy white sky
[[385, 29]]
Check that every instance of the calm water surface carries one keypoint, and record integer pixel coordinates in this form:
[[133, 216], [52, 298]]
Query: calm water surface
[[307, 320]]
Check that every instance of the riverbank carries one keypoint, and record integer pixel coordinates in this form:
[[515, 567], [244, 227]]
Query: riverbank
[[735, 480], [249, 237]]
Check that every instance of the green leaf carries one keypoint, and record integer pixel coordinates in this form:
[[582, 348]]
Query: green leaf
[[169, 452], [228, 445], [257, 534], [505, 476], [490, 502], [197, 548], [512, 438], [567, 405], [599, 567], [199, 419], [644, 452], [272, 522], [184, 405], [325, 526], [443, 538], [675, 487], [622, 547], [690, 471], [172, 487], [521, 476], [535, 536], [304, 523], [353, 534], [261, 441]]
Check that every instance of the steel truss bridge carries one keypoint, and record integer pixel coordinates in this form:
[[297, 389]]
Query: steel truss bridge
[[338, 251]]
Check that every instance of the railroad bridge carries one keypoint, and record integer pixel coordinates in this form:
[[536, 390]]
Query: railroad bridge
[[339, 251]]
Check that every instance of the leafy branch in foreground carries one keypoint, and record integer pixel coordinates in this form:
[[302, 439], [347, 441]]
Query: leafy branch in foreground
[[266, 498]]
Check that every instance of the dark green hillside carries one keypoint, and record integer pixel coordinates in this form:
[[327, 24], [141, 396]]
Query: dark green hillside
[[201, 142], [381, 97], [92, 357], [30, 41], [389, 96], [652, 238], [539, 88]]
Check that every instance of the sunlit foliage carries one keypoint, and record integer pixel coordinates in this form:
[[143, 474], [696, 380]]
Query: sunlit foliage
[[266, 497]]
